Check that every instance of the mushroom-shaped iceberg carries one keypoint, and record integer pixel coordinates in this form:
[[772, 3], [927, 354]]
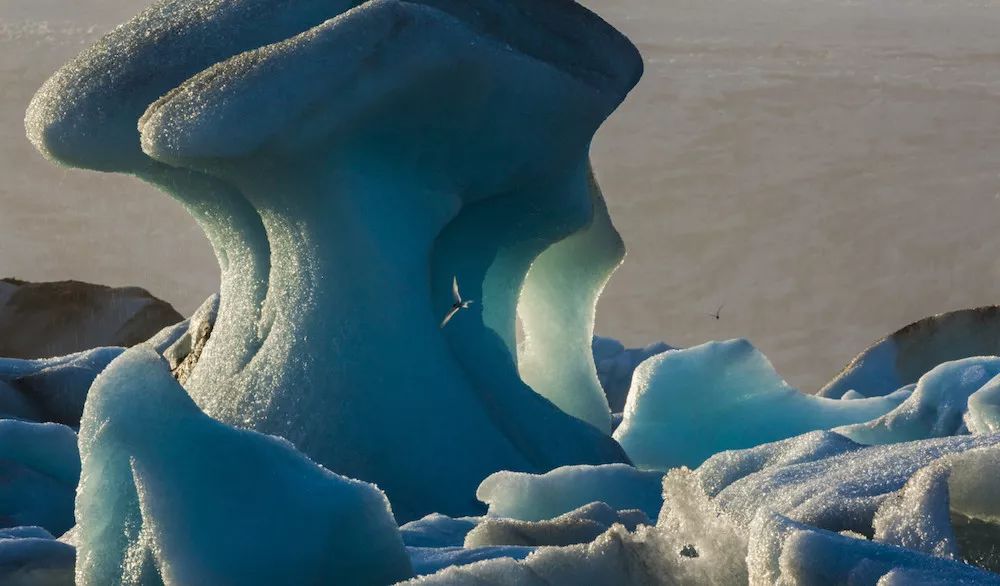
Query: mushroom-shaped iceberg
[[346, 175]]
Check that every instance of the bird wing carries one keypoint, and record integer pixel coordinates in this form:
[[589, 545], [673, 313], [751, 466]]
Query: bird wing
[[454, 290], [718, 311], [451, 314]]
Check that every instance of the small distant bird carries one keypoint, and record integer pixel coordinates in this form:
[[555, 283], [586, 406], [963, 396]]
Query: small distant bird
[[718, 312], [458, 305]]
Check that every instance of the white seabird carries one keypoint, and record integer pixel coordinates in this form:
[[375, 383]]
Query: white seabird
[[458, 305]]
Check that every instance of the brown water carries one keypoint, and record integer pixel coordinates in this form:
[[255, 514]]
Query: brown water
[[827, 169]]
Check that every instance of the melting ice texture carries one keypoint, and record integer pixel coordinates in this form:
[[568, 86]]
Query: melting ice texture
[[346, 161], [816, 508], [170, 496]]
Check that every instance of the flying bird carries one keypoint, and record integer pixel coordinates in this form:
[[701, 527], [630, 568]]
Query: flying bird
[[718, 312], [458, 305]]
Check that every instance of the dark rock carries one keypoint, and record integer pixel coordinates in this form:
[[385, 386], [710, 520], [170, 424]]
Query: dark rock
[[39, 320]]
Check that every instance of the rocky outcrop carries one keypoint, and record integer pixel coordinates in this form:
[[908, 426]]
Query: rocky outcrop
[[39, 320]]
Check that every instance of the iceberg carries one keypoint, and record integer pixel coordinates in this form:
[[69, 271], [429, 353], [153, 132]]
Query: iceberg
[[647, 556], [793, 553], [348, 160], [556, 358], [170, 496], [811, 510], [51, 389], [39, 471], [936, 408], [580, 526], [31, 556], [537, 497], [906, 355], [427, 561], [983, 409], [686, 405], [840, 488], [438, 531], [616, 365]]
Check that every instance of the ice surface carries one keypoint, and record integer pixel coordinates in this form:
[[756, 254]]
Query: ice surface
[[51, 389], [556, 310], [812, 510], [646, 557], [39, 471], [428, 560], [169, 495], [582, 525], [936, 408], [347, 162], [918, 517], [437, 530], [530, 497], [840, 488], [787, 552], [686, 405], [30, 556], [616, 364], [983, 409]]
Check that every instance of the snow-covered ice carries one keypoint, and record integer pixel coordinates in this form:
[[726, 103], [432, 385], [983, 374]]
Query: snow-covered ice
[[51, 389], [533, 497], [937, 406], [582, 525], [39, 471]]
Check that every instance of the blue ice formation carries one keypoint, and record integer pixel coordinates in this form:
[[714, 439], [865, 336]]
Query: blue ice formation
[[686, 405], [31, 556], [937, 407], [556, 357], [170, 496], [346, 160], [39, 471], [982, 414], [430, 560], [903, 357], [50, 389], [533, 497], [437, 530], [616, 364]]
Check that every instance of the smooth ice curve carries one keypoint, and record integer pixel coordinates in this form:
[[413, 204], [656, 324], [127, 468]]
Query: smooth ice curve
[[347, 160]]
